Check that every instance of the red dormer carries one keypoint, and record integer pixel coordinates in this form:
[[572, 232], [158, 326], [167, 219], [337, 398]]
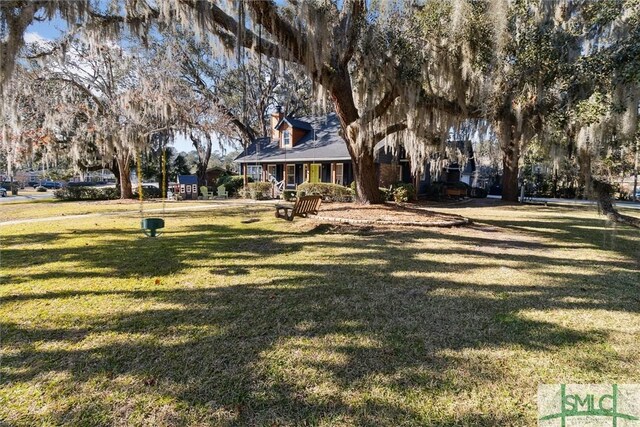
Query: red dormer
[[288, 131]]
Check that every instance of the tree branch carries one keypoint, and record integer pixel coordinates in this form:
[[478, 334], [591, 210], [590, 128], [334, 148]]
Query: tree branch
[[98, 101], [382, 106], [445, 105], [350, 23], [226, 29], [391, 129], [266, 14], [194, 77]]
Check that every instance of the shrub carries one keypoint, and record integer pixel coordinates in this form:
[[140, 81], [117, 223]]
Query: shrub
[[149, 192], [352, 186], [86, 193], [232, 183], [257, 191], [329, 192], [458, 184], [404, 193], [435, 191], [478, 192], [289, 195], [386, 194], [81, 184], [41, 189]]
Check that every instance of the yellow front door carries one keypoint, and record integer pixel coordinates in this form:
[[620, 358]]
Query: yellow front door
[[314, 174]]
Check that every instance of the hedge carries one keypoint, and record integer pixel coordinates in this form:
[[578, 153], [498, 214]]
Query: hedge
[[329, 192], [87, 193], [257, 191]]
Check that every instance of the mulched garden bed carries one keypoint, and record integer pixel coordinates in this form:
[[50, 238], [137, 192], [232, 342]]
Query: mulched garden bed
[[387, 214]]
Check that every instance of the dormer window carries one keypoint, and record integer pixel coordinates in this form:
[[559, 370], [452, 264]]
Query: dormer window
[[286, 138]]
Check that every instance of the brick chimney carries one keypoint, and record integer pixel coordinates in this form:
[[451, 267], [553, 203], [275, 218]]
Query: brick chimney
[[275, 119]]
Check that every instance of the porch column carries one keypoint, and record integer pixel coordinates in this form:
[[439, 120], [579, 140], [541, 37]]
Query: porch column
[[333, 173]]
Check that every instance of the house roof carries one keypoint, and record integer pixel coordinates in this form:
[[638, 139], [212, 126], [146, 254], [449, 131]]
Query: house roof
[[327, 145], [296, 123], [187, 179]]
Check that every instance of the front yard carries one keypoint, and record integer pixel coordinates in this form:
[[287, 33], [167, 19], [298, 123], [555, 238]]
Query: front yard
[[219, 322]]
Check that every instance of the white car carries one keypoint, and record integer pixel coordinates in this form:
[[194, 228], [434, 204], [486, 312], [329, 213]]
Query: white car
[[3, 192]]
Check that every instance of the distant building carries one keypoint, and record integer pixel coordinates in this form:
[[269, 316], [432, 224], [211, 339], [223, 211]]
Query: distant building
[[187, 187]]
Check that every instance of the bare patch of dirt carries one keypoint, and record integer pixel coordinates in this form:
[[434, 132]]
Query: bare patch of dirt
[[387, 214]]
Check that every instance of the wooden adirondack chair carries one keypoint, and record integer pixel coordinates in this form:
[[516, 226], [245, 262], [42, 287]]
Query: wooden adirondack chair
[[222, 192], [303, 206], [205, 192]]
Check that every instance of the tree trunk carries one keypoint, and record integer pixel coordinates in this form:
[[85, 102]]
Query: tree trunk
[[510, 157], [165, 173], [362, 157], [510, 145], [584, 163], [126, 192], [204, 154], [364, 169]]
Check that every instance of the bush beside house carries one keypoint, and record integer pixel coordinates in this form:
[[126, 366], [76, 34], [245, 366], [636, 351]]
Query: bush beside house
[[404, 193], [329, 192], [257, 191]]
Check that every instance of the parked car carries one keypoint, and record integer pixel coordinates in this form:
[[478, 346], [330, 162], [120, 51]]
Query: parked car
[[50, 184], [3, 192]]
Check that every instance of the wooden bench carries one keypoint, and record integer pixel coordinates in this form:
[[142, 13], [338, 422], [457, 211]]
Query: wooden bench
[[456, 192], [303, 206]]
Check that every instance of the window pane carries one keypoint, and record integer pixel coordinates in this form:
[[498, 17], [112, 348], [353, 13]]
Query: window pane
[[339, 173], [286, 138], [254, 171], [291, 175]]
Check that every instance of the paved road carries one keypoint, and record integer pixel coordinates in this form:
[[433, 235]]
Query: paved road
[[619, 204], [26, 197]]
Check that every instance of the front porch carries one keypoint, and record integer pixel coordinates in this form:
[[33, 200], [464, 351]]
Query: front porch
[[295, 173]]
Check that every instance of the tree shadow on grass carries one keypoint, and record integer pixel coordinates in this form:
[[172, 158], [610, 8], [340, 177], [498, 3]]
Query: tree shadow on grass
[[313, 342]]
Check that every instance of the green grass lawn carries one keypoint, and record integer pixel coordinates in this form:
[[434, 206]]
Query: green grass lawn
[[275, 323], [15, 211]]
